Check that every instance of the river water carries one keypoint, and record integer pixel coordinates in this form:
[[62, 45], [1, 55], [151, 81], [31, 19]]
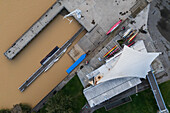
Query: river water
[[16, 16]]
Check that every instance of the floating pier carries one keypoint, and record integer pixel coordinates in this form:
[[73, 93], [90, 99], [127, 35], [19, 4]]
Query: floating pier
[[34, 30], [49, 61]]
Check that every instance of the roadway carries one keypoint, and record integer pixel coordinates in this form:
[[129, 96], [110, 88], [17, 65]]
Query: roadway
[[50, 60]]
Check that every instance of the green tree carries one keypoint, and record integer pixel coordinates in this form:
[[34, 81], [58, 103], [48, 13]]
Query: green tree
[[25, 108], [21, 108], [5, 111], [60, 103], [18, 108]]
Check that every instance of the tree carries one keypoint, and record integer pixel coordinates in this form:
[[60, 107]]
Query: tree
[[5, 111], [18, 108], [25, 108], [59, 103]]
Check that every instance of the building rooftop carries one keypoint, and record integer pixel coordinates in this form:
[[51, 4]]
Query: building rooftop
[[111, 85], [106, 90]]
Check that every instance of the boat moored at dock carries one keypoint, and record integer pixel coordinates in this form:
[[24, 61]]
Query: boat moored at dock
[[49, 55]]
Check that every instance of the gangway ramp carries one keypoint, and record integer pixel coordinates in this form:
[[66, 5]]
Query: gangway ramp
[[48, 62], [157, 93]]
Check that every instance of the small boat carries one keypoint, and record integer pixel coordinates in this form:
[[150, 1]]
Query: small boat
[[114, 27], [130, 34], [49, 55], [131, 44], [49, 66], [60, 55], [126, 33], [110, 51], [132, 37], [55, 60]]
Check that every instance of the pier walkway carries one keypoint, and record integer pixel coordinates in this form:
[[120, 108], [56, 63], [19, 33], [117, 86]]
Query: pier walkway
[[48, 62], [34, 30], [157, 94]]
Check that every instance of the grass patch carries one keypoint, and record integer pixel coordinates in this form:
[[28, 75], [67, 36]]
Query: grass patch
[[143, 103], [73, 89], [121, 42]]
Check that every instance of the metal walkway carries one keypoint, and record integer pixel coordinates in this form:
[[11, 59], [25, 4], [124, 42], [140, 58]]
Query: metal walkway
[[157, 93], [49, 61]]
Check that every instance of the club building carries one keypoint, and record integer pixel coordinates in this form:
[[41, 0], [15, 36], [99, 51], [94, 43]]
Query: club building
[[119, 74]]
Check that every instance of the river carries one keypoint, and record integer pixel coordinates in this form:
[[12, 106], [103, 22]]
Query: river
[[16, 16]]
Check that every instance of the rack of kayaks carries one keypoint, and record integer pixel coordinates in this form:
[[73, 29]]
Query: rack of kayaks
[[129, 37], [111, 52]]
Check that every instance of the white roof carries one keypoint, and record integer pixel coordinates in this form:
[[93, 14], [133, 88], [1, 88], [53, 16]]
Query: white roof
[[106, 90], [112, 86], [131, 63]]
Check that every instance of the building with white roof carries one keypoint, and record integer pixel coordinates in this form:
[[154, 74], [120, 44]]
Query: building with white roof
[[119, 73]]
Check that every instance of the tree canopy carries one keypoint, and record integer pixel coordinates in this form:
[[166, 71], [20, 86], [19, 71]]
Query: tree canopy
[[60, 103]]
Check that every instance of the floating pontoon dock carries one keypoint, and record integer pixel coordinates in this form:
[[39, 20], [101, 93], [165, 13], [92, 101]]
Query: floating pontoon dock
[[48, 62]]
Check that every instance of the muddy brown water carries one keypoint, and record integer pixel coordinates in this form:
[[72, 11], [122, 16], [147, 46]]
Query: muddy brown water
[[16, 16]]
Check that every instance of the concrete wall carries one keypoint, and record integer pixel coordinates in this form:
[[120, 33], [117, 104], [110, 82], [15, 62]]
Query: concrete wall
[[33, 31]]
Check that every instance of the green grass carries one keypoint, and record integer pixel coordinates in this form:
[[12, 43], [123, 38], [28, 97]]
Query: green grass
[[121, 42], [74, 89], [143, 103]]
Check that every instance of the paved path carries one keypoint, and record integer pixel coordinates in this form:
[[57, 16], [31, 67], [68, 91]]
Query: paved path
[[45, 66], [157, 94], [159, 42]]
